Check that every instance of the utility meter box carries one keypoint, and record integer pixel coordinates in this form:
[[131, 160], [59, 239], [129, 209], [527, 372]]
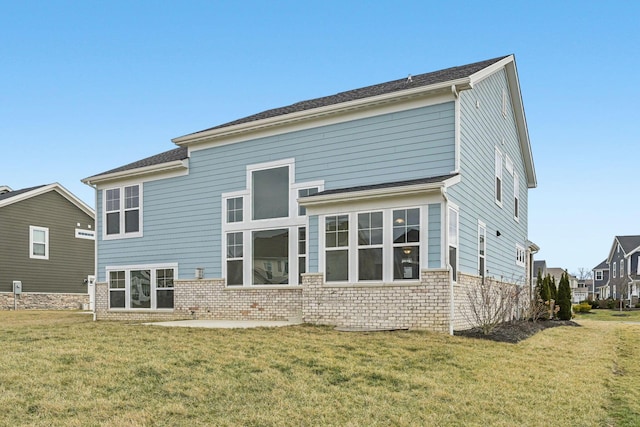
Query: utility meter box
[[17, 287]]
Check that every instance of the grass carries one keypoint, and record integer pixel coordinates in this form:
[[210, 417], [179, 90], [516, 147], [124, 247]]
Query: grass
[[611, 315], [60, 368]]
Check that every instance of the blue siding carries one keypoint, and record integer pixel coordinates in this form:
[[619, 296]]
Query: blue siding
[[434, 232], [312, 233], [483, 128], [182, 216]]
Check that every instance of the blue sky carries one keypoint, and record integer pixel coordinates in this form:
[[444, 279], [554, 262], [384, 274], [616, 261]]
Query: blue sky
[[87, 86]]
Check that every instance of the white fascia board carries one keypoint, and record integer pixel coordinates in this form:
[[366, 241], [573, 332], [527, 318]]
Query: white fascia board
[[51, 187], [158, 171], [316, 113]]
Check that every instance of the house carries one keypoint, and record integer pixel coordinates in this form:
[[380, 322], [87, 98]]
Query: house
[[47, 243], [601, 280], [373, 208], [624, 278], [540, 266]]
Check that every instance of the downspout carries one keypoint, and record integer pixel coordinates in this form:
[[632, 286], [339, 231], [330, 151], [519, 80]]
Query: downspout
[[443, 191]]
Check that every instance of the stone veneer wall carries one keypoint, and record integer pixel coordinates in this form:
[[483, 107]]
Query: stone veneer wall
[[210, 299], [43, 301], [424, 305]]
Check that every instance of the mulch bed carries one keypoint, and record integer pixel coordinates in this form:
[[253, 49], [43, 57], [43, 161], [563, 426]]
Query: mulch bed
[[515, 332]]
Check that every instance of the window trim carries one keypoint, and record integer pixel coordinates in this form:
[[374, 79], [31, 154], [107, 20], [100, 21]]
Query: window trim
[[521, 255], [121, 211], [516, 197], [599, 272], [32, 255], [498, 190], [482, 230], [615, 267], [292, 222], [454, 269], [622, 268], [387, 246], [127, 285]]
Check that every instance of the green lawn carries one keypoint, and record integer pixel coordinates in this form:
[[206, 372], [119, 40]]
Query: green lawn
[[613, 315], [60, 368]]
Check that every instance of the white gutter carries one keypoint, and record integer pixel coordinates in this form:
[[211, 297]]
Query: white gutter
[[130, 173]]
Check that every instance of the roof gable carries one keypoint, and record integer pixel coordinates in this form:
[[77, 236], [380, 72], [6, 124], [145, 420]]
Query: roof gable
[[27, 193], [629, 245]]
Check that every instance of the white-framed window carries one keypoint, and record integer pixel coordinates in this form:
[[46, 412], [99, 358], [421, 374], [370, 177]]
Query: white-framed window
[[265, 230], [516, 197], [235, 259], [613, 270], [234, 209], [384, 244], [482, 248], [622, 268], [520, 255], [638, 264], [122, 212], [38, 242], [453, 235], [145, 287], [599, 275], [498, 176], [336, 244], [508, 164]]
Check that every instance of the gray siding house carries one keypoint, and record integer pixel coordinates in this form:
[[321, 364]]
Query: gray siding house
[[372, 208], [601, 280], [47, 242], [624, 277]]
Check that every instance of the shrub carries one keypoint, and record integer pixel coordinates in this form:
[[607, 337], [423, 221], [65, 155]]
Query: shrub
[[564, 298], [637, 305], [583, 307], [611, 304], [594, 304]]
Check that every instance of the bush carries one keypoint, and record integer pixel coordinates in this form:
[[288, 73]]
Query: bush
[[583, 307], [611, 304], [637, 305], [594, 304]]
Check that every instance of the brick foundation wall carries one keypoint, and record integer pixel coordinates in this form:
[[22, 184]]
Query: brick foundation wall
[[43, 301], [210, 299], [464, 319], [424, 305]]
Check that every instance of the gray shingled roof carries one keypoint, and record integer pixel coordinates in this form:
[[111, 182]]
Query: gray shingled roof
[[430, 180], [629, 243], [14, 193], [602, 266], [166, 157], [419, 80]]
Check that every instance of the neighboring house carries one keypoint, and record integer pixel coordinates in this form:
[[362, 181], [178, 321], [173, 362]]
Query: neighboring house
[[47, 242], [624, 278], [601, 281], [373, 208], [587, 286], [578, 293], [540, 266]]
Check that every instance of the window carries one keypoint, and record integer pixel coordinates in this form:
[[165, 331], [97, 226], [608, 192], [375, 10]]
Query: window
[[453, 242], [146, 288], [234, 209], [270, 192], [38, 242], [271, 257], [234, 259], [613, 270], [598, 274], [504, 103], [498, 174], [482, 248], [406, 244], [520, 255], [508, 164], [621, 268], [516, 197], [638, 264], [302, 252], [337, 248], [302, 211], [370, 246], [122, 214], [385, 246]]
